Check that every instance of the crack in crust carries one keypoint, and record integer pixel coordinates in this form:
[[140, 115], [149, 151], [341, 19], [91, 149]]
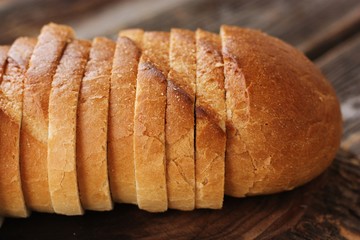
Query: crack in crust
[[208, 114]]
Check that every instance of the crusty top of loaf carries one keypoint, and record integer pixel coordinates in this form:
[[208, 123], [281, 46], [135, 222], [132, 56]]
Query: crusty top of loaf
[[135, 34], [153, 45], [11, 93], [210, 84], [17, 51], [286, 113], [184, 68]]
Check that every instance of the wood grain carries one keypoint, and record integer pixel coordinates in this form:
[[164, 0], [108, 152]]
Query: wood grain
[[308, 24], [313, 26], [25, 18], [316, 211]]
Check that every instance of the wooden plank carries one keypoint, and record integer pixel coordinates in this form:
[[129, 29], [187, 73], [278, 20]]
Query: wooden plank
[[333, 212], [118, 16], [317, 210], [329, 37], [342, 68], [89, 18], [25, 18], [306, 24], [313, 26]]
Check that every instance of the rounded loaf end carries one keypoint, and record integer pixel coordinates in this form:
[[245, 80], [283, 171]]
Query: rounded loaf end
[[284, 120]]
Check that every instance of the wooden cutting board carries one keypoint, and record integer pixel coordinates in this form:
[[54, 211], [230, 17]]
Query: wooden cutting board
[[326, 208]]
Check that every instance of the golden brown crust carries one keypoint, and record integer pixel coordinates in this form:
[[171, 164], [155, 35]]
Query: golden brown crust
[[136, 35], [12, 201], [121, 121], [149, 123], [180, 120], [62, 129], [283, 116], [34, 130], [210, 121], [155, 47], [92, 127]]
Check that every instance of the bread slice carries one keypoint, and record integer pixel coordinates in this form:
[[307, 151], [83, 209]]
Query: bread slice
[[240, 170], [135, 34], [92, 127], [34, 131], [210, 121], [62, 129], [180, 152], [12, 201], [149, 123], [121, 121]]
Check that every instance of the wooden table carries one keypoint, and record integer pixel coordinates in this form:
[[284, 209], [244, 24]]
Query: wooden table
[[328, 31]]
